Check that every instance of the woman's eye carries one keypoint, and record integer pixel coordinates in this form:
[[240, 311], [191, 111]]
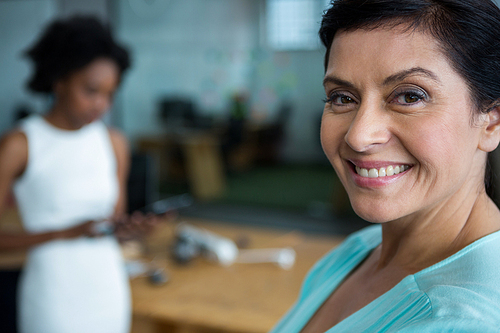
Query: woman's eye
[[409, 97], [90, 90], [339, 99], [345, 100]]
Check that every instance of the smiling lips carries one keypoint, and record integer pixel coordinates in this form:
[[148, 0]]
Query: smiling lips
[[382, 172]]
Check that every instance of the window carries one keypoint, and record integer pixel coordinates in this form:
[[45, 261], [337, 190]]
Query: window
[[294, 24]]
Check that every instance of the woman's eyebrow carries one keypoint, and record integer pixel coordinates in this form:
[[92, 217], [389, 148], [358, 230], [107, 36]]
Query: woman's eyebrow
[[335, 80], [400, 76]]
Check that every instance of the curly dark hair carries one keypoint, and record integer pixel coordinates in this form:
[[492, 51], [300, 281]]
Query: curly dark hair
[[68, 45]]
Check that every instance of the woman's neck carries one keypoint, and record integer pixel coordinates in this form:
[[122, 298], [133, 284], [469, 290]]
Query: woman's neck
[[57, 117], [417, 242]]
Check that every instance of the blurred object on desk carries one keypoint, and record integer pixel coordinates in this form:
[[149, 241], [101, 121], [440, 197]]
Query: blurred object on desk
[[200, 157], [283, 257], [181, 112], [272, 135], [238, 148], [202, 297], [189, 150], [200, 150], [247, 142], [204, 166], [192, 241]]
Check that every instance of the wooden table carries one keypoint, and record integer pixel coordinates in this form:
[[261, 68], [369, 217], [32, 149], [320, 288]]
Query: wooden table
[[206, 297], [203, 297]]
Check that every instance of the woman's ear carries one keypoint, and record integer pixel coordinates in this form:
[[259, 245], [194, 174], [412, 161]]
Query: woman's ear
[[490, 136]]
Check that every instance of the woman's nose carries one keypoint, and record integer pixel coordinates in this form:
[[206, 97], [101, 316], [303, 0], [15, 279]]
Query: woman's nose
[[368, 130]]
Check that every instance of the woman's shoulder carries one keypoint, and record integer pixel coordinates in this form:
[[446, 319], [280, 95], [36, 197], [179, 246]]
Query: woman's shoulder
[[466, 283], [451, 323], [119, 142], [34, 119], [15, 138], [476, 263], [13, 152], [116, 136]]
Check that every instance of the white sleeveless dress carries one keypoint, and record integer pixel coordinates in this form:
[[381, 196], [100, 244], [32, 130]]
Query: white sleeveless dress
[[77, 285]]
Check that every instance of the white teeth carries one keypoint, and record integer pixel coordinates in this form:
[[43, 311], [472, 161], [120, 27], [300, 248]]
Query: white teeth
[[382, 172]]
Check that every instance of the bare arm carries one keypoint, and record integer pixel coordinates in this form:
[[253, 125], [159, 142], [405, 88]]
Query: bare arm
[[13, 162], [136, 225], [23, 240], [122, 153]]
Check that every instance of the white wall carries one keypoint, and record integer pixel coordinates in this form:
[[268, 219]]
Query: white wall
[[194, 48], [20, 24], [208, 50], [99, 8]]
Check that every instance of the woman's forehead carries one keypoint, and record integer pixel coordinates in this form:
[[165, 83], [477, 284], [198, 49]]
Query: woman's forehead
[[385, 52]]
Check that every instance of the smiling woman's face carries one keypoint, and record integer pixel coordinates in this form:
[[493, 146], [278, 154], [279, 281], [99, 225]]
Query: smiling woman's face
[[398, 125]]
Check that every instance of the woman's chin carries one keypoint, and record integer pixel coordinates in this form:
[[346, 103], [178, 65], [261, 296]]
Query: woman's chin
[[373, 214]]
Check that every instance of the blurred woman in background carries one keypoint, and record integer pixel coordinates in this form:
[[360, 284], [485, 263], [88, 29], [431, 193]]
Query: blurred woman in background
[[68, 171]]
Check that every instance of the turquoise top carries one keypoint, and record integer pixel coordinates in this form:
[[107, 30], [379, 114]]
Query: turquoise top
[[459, 294]]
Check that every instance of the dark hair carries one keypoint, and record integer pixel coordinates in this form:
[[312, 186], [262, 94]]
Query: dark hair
[[467, 30], [68, 45]]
